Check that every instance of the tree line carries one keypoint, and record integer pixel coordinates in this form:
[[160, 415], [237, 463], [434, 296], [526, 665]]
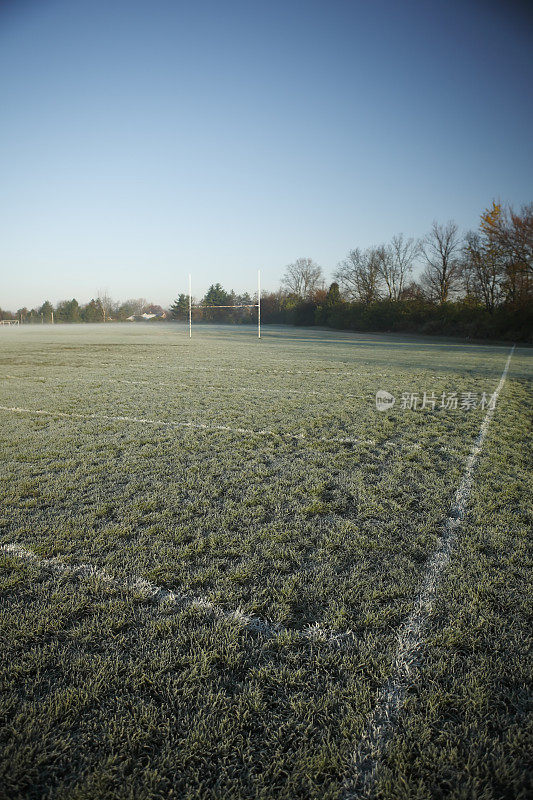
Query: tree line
[[99, 309], [478, 284], [217, 305], [488, 268]]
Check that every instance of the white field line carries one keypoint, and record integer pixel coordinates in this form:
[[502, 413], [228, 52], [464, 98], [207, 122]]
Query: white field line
[[368, 756], [192, 425], [167, 598]]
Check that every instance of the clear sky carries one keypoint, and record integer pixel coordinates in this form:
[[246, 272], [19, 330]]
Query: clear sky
[[140, 141]]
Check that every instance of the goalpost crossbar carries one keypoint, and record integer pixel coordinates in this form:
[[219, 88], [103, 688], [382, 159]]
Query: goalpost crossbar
[[239, 305], [254, 305]]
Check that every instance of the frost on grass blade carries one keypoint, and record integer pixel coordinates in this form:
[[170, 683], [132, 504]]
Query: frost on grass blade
[[192, 425], [369, 752], [167, 598]]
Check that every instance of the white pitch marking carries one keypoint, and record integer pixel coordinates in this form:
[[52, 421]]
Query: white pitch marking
[[193, 425], [161, 596], [368, 756]]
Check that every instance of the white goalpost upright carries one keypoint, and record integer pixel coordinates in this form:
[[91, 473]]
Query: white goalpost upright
[[251, 305], [258, 303], [190, 307]]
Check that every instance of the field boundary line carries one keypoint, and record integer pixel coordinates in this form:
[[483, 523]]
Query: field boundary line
[[166, 597], [300, 437], [368, 755]]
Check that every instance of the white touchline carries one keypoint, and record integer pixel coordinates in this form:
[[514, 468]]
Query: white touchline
[[166, 597], [193, 425], [368, 756]]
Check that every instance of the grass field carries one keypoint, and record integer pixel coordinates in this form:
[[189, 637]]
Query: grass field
[[210, 549]]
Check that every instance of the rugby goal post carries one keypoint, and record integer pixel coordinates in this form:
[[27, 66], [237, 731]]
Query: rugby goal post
[[240, 305]]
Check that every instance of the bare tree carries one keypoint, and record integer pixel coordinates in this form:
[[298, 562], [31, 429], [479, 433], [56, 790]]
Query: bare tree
[[138, 305], [303, 278], [412, 291], [106, 304], [483, 269], [441, 249], [513, 232], [396, 263], [359, 275]]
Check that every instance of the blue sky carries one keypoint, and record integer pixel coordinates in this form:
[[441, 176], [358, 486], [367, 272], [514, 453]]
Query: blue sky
[[141, 141]]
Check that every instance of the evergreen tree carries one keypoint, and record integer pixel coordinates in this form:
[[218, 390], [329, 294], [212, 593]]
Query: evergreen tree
[[92, 312], [46, 311], [217, 296], [180, 307], [68, 311]]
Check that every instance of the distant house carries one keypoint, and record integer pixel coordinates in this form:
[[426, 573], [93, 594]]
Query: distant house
[[146, 316]]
